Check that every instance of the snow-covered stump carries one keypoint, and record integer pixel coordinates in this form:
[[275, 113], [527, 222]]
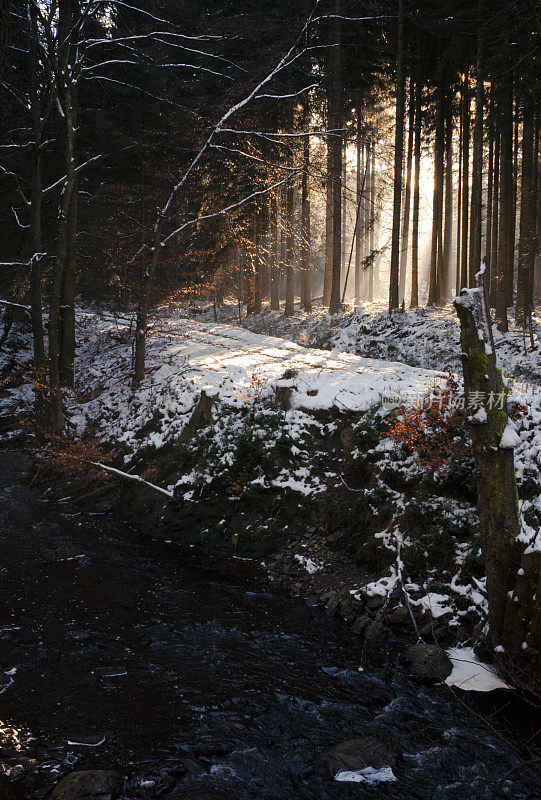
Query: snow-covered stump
[[512, 572]]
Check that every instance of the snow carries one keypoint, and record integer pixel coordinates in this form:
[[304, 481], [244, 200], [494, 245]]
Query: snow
[[470, 674], [368, 775], [509, 439], [309, 564]]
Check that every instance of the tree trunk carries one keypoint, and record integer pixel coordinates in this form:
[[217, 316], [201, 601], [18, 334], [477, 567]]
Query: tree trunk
[[290, 252], [36, 311], [447, 286], [434, 292], [56, 414], [327, 283], [4, 23], [495, 223], [477, 171], [526, 247], [490, 190], [537, 183], [67, 307], [306, 283], [394, 300], [335, 145], [359, 232], [506, 194], [512, 218], [275, 264], [258, 261], [465, 182], [513, 615], [459, 196], [414, 300], [407, 195], [373, 222]]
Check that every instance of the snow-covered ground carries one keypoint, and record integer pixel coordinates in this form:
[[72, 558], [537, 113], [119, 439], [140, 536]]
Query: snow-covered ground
[[242, 368]]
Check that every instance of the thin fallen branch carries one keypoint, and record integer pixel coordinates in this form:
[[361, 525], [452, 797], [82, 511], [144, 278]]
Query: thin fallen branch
[[136, 478]]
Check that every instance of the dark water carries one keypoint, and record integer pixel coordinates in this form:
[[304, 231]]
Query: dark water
[[250, 686]]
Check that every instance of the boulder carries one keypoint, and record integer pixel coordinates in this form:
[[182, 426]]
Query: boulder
[[398, 616], [427, 663], [357, 754], [93, 784]]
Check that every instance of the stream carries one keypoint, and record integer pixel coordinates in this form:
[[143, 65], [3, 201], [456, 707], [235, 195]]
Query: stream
[[117, 654]]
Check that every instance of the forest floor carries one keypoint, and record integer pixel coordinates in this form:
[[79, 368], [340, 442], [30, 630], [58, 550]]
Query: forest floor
[[362, 507]]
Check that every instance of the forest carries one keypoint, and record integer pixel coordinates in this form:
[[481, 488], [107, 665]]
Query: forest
[[270, 392]]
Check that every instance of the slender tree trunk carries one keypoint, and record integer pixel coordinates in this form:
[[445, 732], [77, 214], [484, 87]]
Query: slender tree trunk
[[56, 413], [4, 24], [67, 308], [36, 311], [537, 183], [328, 228], [477, 171], [394, 300], [335, 115], [258, 265], [495, 222], [465, 182], [359, 235], [306, 283], [490, 190], [506, 194], [290, 252], [275, 264], [283, 240], [407, 195], [414, 300], [459, 195], [434, 292], [512, 218], [447, 287], [373, 221], [344, 205], [526, 249]]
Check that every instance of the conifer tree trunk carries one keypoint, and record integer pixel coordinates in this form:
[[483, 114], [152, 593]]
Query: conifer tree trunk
[[290, 252], [459, 197], [56, 413], [505, 211], [283, 241], [465, 182], [358, 237], [512, 218], [306, 282], [477, 171], [274, 257], [407, 195], [537, 184], [394, 300], [490, 189], [327, 282], [36, 311], [434, 291], [344, 205], [414, 299], [68, 13], [373, 222], [258, 266], [495, 222], [335, 145], [526, 251], [447, 288]]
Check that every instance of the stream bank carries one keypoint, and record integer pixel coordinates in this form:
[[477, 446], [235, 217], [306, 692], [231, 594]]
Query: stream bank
[[119, 655]]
